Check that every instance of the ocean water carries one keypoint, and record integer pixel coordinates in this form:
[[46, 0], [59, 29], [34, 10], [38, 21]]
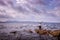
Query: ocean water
[[23, 33], [18, 26], [51, 26]]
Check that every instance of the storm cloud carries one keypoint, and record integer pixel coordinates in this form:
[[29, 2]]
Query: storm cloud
[[30, 10]]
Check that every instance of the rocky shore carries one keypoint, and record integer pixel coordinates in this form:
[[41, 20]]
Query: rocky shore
[[24, 35], [27, 32]]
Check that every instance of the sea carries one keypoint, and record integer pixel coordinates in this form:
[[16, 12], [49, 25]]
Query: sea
[[22, 29]]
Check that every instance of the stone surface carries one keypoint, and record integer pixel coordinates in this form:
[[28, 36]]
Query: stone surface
[[25, 36]]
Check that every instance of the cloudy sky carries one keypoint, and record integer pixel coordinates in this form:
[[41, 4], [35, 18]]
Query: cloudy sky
[[30, 10]]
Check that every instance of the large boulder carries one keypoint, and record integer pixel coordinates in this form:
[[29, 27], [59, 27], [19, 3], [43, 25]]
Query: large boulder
[[41, 32], [55, 33]]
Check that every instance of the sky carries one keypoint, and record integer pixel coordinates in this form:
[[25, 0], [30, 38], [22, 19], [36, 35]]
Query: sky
[[30, 10]]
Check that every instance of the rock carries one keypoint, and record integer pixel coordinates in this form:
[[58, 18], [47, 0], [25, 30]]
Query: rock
[[41, 32], [13, 32], [55, 33], [44, 34], [30, 31]]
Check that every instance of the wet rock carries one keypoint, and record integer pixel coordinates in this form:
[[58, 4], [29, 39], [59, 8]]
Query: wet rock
[[13, 32]]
